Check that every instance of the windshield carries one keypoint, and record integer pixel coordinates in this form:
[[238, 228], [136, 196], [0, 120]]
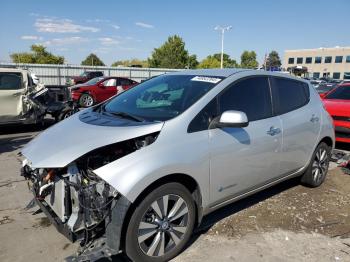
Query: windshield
[[342, 92], [83, 74], [93, 81], [161, 98]]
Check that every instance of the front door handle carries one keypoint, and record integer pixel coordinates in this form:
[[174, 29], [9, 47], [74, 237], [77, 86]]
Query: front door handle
[[314, 119], [273, 131]]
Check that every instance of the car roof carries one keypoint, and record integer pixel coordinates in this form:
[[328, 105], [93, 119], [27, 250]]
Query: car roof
[[6, 69], [345, 84], [210, 72]]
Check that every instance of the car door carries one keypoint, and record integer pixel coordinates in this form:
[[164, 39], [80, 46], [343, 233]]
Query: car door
[[300, 121], [107, 89], [242, 159], [12, 89]]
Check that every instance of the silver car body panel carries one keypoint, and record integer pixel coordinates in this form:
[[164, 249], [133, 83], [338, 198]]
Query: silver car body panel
[[222, 163], [71, 138]]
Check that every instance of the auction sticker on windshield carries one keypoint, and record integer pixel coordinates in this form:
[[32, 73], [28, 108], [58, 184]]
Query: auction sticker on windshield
[[213, 80]]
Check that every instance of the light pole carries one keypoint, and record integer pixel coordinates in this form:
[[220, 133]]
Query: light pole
[[222, 29]]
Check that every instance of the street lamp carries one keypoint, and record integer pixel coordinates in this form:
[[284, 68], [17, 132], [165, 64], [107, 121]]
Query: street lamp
[[222, 29]]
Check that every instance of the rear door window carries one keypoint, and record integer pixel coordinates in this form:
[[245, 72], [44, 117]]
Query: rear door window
[[10, 81], [289, 94], [251, 96]]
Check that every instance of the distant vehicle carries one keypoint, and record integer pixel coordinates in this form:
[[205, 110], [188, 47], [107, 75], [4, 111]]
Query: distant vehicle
[[139, 171], [337, 103], [99, 89], [21, 101], [323, 89], [316, 83], [84, 77]]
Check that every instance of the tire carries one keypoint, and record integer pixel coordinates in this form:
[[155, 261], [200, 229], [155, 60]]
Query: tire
[[86, 100], [317, 170], [149, 230]]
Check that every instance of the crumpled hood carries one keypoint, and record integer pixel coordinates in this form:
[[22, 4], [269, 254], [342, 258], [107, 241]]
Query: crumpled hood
[[66, 141]]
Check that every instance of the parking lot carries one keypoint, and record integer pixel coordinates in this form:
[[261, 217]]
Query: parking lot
[[288, 222]]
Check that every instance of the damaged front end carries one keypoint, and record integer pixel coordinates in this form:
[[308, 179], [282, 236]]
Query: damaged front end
[[80, 204]]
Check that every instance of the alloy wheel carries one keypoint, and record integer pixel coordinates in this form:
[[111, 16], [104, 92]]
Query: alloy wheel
[[87, 101], [163, 225], [320, 165]]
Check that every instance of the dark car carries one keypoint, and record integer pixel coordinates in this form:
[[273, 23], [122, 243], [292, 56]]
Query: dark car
[[99, 89], [86, 76]]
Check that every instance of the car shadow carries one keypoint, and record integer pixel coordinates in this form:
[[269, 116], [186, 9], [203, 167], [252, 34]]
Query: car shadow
[[229, 210], [25, 128], [10, 144]]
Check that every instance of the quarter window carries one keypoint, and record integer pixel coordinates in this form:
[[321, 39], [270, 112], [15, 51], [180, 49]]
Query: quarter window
[[289, 94], [251, 96], [318, 60], [299, 60], [291, 60], [308, 60], [339, 59], [328, 59]]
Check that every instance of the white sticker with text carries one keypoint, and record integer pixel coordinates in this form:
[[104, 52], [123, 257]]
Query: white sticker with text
[[206, 79]]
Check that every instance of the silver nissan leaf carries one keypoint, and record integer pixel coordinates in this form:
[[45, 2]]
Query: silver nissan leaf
[[137, 173]]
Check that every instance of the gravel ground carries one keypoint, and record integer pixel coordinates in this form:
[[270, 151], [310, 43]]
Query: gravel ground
[[288, 222]]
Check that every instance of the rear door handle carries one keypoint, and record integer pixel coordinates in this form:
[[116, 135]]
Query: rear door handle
[[273, 131], [314, 119]]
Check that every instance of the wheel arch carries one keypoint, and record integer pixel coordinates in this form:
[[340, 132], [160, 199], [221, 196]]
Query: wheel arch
[[187, 181], [328, 141]]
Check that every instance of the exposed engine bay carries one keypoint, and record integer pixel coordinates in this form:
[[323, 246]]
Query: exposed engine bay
[[78, 200]]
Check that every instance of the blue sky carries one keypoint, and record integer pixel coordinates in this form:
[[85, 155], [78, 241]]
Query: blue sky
[[116, 30]]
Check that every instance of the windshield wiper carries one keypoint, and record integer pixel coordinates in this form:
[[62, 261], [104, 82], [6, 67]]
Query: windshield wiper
[[125, 115]]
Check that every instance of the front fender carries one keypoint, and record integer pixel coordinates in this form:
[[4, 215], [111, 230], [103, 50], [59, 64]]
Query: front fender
[[133, 173]]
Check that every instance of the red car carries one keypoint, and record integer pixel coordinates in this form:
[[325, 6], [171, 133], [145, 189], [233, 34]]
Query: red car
[[337, 103], [99, 89]]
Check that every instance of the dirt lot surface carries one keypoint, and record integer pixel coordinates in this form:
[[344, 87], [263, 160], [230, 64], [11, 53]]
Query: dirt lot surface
[[285, 223]]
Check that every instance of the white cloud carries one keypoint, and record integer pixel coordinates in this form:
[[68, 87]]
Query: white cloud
[[65, 41], [51, 25], [144, 25], [107, 41], [116, 27], [97, 20], [31, 37]]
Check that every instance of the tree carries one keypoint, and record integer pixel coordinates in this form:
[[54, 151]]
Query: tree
[[38, 55], [92, 60], [248, 60], [214, 61], [273, 60], [209, 62], [134, 61], [192, 61], [227, 61], [172, 54]]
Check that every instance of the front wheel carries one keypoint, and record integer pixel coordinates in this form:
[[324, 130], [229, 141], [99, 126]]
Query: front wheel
[[161, 224], [317, 170]]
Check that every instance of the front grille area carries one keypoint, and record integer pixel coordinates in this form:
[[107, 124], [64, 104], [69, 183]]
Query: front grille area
[[341, 118]]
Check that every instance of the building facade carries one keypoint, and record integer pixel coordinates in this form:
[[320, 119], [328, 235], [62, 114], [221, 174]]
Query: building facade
[[320, 62]]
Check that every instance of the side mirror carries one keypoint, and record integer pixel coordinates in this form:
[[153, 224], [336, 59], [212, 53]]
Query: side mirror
[[322, 95], [231, 118], [101, 85]]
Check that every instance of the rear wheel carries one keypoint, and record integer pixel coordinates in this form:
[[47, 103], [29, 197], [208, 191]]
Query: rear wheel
[[161, 224], [86, 100], [316, 173]]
